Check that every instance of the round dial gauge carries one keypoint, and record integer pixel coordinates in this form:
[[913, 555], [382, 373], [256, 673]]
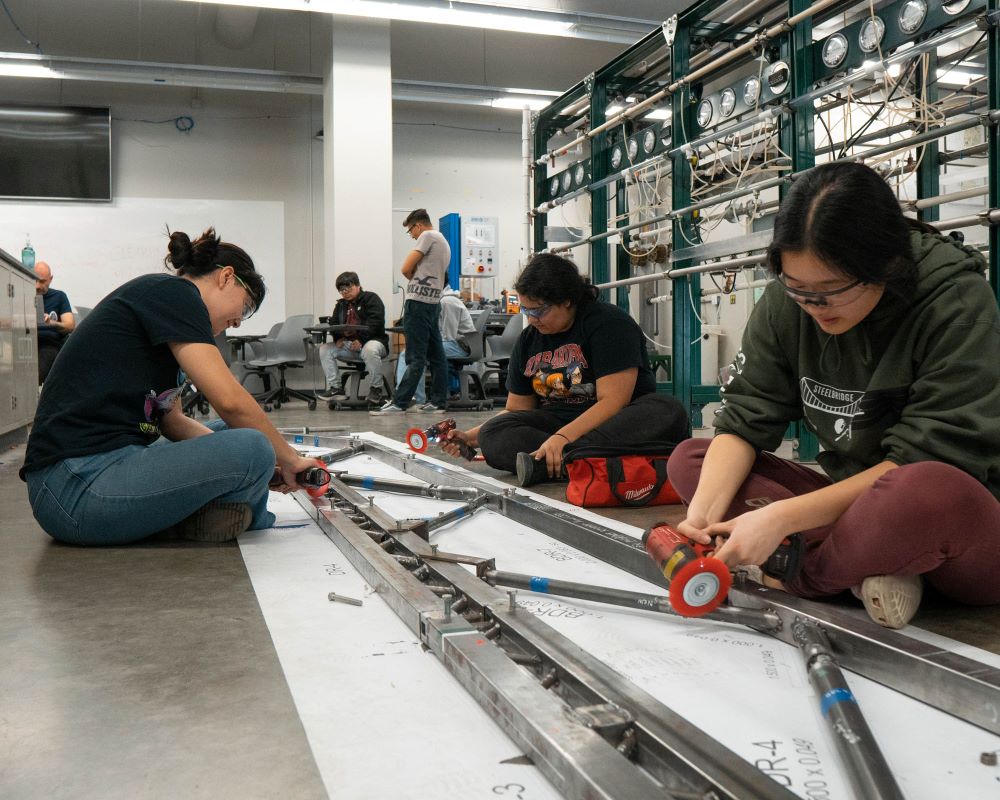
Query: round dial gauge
[[553, 187], [633, 149], [648, 140], [835, 50], [955, 7], [751, 90], [704, 113], [567, 180], [871, 34], [666, 135], [616, 156], [727, 102], [579, 173], [912, 15]]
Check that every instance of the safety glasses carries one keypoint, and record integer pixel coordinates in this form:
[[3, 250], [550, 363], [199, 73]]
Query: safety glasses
[[833, 297], [249, 307], [536, 313]]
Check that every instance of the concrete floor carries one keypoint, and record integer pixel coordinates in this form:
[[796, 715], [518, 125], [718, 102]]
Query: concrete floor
[[148, 671]]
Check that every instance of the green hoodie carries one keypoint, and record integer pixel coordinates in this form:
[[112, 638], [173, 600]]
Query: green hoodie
[[916, 380]]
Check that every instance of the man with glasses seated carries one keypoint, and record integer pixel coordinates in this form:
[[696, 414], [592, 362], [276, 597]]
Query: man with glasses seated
[[368, 341]]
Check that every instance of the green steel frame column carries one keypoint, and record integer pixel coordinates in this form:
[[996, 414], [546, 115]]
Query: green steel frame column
[[623, 262], [541, 135], [929, 171], [798, 139], [686, 329], [993, 138], [600, 271]]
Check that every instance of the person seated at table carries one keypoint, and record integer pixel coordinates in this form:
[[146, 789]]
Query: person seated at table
[[578, 375], [94, 474], [368, 341], [454, 322]]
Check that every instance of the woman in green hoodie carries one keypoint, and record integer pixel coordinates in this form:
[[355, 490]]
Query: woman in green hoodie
[[883, 337]]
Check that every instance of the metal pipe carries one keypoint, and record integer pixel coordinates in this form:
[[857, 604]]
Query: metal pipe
[[941, 199], [764, 116], [966, 152], [620, 597], [865, 765], [410, 487], [991, 217], [937, 132], [720, 61], [448, 517]]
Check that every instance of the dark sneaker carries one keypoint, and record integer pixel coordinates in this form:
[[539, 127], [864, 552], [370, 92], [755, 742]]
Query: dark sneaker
[[530, 471], [217, 522]]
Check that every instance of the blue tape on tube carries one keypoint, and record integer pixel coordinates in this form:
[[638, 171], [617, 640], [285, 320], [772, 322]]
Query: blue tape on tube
[[834, 696], [299, 438], [539, 584], [367, 482]]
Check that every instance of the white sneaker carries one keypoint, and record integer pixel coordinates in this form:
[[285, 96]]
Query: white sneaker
[[891, 600], [430, 408], [389, 408]]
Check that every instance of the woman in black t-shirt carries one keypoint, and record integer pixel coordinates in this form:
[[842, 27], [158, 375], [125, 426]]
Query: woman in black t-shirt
[[114, 389], [578, 374]]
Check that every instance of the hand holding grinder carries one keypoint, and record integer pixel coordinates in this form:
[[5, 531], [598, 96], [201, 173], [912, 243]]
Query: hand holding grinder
[[418, 439], [699, 582]]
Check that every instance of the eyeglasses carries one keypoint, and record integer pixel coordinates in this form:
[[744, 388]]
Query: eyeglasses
[[834, 297], [249, 307], [537, 312], [409, 229], [347, 287]]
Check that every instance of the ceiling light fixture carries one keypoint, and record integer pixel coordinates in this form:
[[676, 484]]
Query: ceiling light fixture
[[441, 12]]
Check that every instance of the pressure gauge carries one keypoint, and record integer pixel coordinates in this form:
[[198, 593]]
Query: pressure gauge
[[912, 15], [553, 187], [835, 50], [567, 181], [617, 152], [727, 102], [666, 135], [579, 173], [751, 90], [704, 113], [648, 141], [778, 76], [955, 7], [871, 34], [633, 149]]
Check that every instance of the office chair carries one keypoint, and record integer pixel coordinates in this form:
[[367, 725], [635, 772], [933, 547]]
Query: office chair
[[470, 369], [287, 350]]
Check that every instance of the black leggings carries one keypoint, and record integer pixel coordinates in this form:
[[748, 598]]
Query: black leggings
[[650, 418]]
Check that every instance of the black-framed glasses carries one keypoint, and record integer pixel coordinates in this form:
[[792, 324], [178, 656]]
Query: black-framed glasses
[[833, 297], [537, 312], [345, 288]]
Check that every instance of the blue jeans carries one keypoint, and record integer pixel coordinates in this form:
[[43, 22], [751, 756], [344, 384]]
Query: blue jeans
[[424, 347], [452, 349], [127, 494]]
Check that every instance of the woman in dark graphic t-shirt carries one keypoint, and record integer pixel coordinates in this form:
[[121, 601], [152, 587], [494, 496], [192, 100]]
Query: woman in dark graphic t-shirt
[[93, 478], [578, 374]]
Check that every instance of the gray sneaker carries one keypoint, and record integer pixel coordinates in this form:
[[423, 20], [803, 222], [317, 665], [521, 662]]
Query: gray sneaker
[[430, 408], [216, 522], [388, 409]]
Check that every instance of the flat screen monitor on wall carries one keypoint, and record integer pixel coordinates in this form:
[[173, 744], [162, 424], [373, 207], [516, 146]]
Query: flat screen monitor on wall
[[55, 153]]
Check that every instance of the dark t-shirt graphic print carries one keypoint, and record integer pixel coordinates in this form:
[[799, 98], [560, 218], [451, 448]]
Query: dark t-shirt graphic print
[[561, 375]]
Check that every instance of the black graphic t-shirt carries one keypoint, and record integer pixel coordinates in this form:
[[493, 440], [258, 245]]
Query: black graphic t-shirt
[[562, 369], [116, 377]]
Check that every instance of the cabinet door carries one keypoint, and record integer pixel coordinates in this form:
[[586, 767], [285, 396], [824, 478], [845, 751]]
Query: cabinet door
[[26, 350], [7, 390]]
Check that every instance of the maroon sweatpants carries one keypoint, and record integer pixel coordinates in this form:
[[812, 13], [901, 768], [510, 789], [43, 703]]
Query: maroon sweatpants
[[929, 519]]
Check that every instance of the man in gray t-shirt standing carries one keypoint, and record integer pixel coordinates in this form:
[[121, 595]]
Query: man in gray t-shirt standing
[[426, 269]]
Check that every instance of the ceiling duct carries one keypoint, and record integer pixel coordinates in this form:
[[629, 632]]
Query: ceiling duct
[[235, 26]]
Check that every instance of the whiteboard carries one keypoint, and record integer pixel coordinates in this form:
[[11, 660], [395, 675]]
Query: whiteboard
[[94, 248]]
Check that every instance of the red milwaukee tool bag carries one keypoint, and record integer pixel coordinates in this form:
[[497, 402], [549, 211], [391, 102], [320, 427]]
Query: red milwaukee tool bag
[[613, 476]]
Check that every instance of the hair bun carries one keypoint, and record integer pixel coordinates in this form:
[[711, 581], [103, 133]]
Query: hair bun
[[180, 254]]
